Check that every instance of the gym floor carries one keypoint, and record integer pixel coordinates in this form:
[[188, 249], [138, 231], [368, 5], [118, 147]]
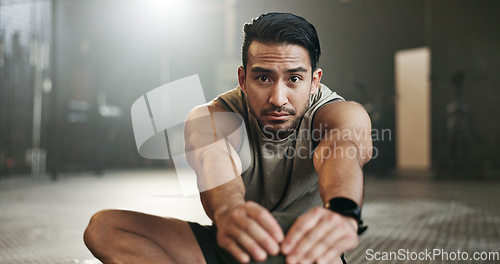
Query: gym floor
[[43, 221]]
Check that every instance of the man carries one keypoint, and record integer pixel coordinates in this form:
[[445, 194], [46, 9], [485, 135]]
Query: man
[[307, 148]]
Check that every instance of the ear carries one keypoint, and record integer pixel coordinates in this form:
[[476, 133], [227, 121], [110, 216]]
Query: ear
[[241, 79], [316, 79]]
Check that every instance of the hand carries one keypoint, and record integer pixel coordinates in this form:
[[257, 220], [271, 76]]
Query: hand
[[248, 230], [319, 236]]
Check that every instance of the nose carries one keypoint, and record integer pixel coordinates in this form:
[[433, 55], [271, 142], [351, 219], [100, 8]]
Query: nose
[[278, 95]]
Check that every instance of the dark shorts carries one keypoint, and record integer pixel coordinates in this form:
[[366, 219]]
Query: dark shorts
[[207, 239]]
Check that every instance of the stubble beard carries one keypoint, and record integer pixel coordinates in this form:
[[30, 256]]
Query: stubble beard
[[276, 130]]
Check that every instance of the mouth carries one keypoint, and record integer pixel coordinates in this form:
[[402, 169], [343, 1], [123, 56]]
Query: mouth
[[277, 116]]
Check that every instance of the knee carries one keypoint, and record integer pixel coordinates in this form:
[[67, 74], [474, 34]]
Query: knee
[[99, 225]]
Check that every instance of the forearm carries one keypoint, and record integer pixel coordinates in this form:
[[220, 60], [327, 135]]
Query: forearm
[[222, 198], [339, 167], [210, 153], [346, 145], [224, 195]]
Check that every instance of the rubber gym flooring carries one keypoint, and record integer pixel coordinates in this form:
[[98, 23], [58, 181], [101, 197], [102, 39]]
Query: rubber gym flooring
[[415, 220]]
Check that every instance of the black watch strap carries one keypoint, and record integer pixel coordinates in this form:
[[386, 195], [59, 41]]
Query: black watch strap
[[347, 207]]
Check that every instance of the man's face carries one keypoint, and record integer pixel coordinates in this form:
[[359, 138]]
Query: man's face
[[278, 81]]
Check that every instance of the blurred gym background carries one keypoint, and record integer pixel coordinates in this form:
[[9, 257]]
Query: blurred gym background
[[71, 69]]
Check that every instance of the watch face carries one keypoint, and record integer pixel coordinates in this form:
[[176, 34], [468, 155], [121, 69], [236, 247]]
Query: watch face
[[342, 204], [347, 207]]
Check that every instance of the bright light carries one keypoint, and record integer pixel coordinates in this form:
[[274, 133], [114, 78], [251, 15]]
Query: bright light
[[161, 11]]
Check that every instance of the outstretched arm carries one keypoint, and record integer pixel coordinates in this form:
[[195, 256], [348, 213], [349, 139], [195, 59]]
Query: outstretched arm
[[245, 229], [321, 235], [345, 147]]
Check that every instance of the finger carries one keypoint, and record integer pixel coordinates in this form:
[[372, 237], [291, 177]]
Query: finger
[[259, 234], [301, 226], [341, 240], [266, 220], [338, 240], [312, 255], [332, 233], [236, 251], [315, 242], [248, 244]]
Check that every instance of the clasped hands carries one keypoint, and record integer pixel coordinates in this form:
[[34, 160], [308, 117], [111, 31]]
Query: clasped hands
[[317, 236]]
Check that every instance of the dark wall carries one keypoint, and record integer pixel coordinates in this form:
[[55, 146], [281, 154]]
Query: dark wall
[[102, 52], [113, 49], [107, 49], [465, 44], [358, 41], [102, 49]]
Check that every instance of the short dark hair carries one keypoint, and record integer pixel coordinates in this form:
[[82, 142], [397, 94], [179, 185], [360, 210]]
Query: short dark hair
[[282, 28]]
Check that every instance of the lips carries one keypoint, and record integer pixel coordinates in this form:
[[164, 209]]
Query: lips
[[278, 115]]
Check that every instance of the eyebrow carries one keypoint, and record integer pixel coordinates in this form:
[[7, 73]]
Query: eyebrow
[[298, 69], [260, 69]]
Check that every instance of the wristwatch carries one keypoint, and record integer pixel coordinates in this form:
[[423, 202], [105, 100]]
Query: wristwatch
[[347, 207]]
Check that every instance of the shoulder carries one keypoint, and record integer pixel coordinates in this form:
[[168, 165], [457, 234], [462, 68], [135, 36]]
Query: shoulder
[[345, 121], [233, 100], [342, 114], [211, 120], [222, 103], [206, 109]]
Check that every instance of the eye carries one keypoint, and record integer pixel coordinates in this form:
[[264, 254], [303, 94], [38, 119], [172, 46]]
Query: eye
[[295, 79], [263, 78]]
